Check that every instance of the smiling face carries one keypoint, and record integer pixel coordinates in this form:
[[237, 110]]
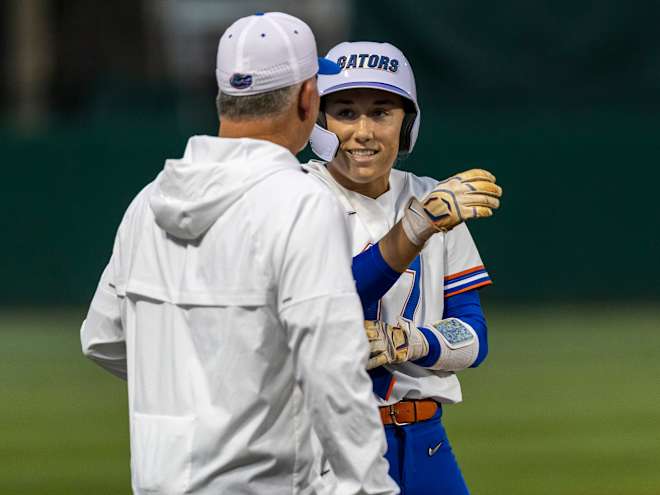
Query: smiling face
[[368, 125]]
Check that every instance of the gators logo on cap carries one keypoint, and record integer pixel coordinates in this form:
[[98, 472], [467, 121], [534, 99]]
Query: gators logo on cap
[[367, 60], [240, 81]]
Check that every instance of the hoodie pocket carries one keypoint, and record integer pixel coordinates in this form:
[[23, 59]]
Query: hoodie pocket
[[161, 452]]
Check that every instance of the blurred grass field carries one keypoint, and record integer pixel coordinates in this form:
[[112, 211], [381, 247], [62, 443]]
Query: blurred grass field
[[567, 403]]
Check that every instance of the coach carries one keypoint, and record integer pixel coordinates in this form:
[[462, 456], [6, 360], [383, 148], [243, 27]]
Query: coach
[[228, 303]]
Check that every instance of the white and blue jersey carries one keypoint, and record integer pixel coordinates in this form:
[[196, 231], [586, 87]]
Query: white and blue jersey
[[448, 265]]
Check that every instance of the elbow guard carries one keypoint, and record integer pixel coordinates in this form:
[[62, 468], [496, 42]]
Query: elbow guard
[[458, 342]]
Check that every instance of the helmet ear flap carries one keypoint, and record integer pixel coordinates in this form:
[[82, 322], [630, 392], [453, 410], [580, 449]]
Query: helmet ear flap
[[321, 119], [323, 142], [406, 132], [406, 128]]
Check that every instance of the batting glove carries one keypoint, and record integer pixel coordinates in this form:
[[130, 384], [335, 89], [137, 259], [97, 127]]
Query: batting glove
[[392, 344], [470, 194]]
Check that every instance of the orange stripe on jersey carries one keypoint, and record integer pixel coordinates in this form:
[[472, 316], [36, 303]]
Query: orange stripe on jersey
[[464, 272], [390, 388], [465, 289]]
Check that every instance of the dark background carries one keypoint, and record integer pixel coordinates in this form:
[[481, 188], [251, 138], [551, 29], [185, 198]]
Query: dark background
[[559, 99]]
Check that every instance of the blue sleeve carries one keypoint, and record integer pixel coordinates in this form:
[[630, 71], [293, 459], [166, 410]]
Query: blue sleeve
[[373, 276], [467, 307]]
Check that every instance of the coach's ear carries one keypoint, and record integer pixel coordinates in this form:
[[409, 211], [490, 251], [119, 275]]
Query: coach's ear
[[308, 101]]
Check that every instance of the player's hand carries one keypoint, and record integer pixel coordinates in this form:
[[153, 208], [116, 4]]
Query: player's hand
[[392, 344], [470, 194]]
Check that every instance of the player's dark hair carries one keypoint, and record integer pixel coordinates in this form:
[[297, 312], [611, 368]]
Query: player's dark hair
[[257, 106]]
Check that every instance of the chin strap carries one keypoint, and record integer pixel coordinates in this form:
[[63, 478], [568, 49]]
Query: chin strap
[[324, 143]]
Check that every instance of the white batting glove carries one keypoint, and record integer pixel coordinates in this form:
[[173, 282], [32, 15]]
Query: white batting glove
[[470, 194]]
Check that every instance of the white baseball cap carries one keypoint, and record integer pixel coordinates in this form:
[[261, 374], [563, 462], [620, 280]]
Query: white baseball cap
[[268, 51]]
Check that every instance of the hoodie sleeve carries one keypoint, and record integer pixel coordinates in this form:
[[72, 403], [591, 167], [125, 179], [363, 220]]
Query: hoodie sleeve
[[321, 312], [102, 334]]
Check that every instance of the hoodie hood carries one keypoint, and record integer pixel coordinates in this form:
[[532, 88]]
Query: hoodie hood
[[190, 194]]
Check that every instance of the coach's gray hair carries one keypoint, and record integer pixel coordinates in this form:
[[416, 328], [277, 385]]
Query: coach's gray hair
[[248, 107]]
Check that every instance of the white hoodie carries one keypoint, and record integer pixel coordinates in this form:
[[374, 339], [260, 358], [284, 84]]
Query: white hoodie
[[229, 305]]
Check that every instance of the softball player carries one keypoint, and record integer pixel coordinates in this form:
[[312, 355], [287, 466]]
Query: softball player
[[416, 266]]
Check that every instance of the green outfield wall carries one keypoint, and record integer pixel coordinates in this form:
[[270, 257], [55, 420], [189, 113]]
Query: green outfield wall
[[578, 219], [561, 100]]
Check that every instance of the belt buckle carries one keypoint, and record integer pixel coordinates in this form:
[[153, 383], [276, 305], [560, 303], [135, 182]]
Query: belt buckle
[[393, 416]]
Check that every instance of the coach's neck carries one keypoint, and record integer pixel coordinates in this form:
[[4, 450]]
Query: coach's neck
[[275, 131]]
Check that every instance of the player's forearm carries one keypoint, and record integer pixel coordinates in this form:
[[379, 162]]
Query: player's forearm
[[467, 307], [397, 250], [460, 340]]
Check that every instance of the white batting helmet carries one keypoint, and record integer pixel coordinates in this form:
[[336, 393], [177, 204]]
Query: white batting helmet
[[367, 64]]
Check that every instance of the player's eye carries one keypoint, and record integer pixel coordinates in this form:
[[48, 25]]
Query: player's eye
[[380, 113], [345, 113]]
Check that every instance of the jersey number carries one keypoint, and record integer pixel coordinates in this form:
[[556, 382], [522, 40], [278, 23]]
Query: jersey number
[[382, 380], [411, 301]]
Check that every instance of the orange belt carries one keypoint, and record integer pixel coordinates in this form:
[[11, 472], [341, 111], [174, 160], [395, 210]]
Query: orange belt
[[408, 411]]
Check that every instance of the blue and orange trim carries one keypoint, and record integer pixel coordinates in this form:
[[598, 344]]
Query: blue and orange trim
[[466, 280]]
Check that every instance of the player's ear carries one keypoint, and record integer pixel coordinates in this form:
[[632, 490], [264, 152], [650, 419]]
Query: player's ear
[[308, 100]]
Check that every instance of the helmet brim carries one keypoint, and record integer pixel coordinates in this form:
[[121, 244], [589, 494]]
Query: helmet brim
[[390, 88]]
